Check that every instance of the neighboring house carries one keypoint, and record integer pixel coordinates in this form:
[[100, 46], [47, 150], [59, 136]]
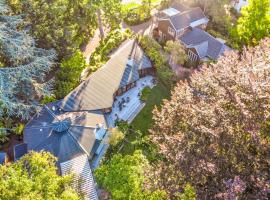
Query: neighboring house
[[75, 129], [173, 23], [202, 46], [239, 4]]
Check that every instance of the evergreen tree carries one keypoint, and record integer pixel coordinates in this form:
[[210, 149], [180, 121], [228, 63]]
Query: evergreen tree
[[22, 80]]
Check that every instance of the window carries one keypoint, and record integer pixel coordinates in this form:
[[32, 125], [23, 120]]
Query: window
[[170, 31], [192, 56]]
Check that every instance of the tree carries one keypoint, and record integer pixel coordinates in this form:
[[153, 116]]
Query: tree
[[177, 52], [35, 176], [116, 136], [68, 77], [123, 177], [215, 129], [254, 23], [62, 25], [23, 79]]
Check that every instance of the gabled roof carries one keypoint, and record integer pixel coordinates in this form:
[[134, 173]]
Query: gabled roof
[[97, 91], [204, 43], [185, 19], [83, 180], [178, 6], [66, 143]]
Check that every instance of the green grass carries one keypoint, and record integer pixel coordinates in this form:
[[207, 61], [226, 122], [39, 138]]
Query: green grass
[[144, 120], [143, 123]]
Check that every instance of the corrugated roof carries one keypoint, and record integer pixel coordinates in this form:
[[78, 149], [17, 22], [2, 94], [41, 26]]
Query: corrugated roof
[[184, 19], [197, 39], [83, 179], [97, 92], [78, 138]]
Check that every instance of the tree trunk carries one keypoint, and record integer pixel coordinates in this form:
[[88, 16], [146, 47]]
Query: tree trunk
[[101, 31]]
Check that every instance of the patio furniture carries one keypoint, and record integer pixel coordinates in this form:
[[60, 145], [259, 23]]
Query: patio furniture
[[128, 99]]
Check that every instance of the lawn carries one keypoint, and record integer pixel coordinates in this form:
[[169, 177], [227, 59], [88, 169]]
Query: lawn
[[143, 123], [144, 120]]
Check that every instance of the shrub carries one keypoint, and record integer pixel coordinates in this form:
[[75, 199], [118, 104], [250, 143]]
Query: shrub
[[145, 93], [116, 136], [19, 129], [107, 45], [68, 77], [48, 99]]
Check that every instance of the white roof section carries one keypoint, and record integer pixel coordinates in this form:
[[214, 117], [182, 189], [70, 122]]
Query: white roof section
[[199, 22], [170, 12], [84, 180]]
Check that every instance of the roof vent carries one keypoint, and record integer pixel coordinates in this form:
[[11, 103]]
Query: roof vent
[[62, 126], [53, 108]]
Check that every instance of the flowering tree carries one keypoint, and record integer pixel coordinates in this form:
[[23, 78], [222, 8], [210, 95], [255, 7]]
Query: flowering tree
[[214, 132], [22, 82]]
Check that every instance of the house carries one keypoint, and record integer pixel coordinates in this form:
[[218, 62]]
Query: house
[[173, 23], [76, 128], [201, 45], [239, 4]]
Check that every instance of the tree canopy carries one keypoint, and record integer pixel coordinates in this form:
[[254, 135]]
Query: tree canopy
[[35, 176], [123, 177], [254, 23], [214, 132], [22, 79], [61, 24]]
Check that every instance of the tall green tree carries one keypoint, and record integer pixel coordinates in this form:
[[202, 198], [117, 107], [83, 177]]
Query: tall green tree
[[176, 51], [68, 76], [35, 176], [123, 177], [254, 24], [62, 25], [214, 132]]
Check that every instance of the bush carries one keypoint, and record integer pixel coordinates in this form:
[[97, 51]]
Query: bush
[[68, 77], [116, 136], [19, 129], [145, 93], [48, 99], [154, 51], [107, 45]]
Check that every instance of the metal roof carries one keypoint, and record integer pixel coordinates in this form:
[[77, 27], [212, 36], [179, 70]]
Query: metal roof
[[185, 19], [19, 151], [97, 91], [204, 43], [83, 179], [2, 157], [69, 142]]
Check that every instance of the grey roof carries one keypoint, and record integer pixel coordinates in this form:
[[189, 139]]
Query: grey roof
[[204, 43], [83, 178], [2, 157], [97, 91], [65, 142], [184, 19], [178, 6], [19, 151]]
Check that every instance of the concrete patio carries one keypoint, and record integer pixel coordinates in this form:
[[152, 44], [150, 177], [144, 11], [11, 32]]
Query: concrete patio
[[130, 103]]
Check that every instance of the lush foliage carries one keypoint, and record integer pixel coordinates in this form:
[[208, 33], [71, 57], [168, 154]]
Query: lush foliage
[[145, 93], [123, 177], [22, 80], [35, 177], [176, 51], [116, 136], [154, 52], [138, 13], [214, 130], [254, 23], [62, 25], [107, 45], [68, 76]]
